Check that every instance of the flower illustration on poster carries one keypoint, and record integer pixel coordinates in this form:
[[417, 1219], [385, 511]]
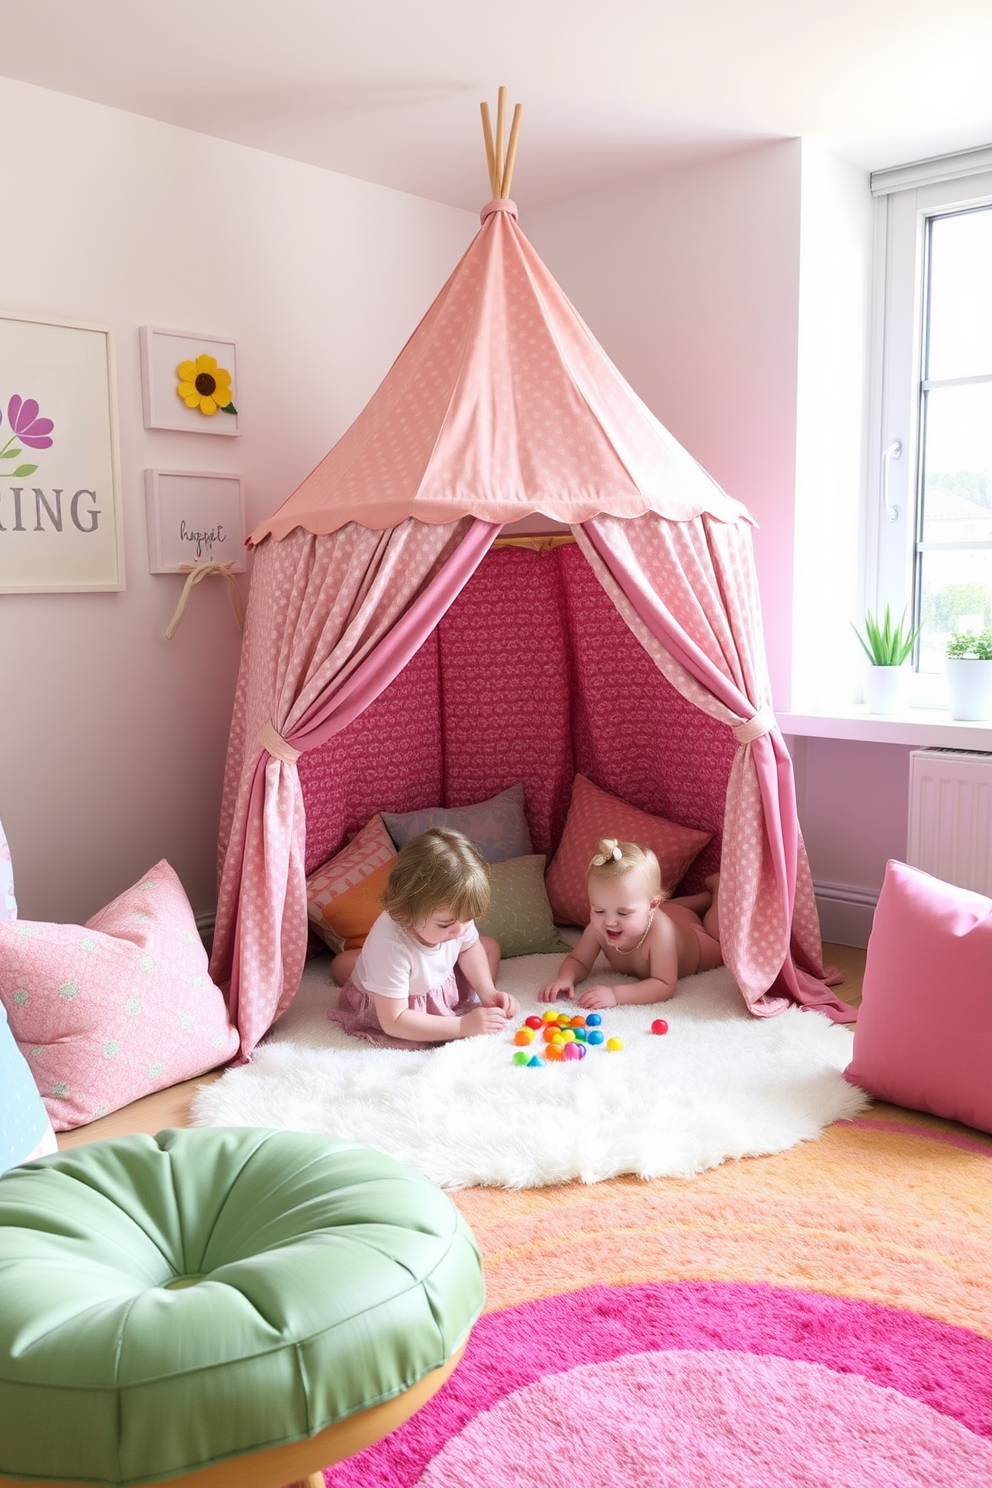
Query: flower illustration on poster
[[205, 385], [26, 428]]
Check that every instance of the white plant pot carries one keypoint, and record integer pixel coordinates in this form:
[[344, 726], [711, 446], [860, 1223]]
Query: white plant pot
[[887, 689], [969, 682]]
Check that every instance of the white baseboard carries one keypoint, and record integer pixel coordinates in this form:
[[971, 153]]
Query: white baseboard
[[845, 913]]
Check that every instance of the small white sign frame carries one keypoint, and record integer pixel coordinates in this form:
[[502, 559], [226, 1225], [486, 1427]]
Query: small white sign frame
[[194, 517], [162, 352]]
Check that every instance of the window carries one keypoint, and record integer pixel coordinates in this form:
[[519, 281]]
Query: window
[[930, 543], [952, 570]]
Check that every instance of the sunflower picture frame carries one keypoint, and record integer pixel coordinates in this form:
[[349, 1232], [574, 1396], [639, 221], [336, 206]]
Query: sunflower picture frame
[[189, 382]]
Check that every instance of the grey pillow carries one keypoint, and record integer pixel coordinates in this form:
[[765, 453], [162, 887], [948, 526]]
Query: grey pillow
[[498, 827]]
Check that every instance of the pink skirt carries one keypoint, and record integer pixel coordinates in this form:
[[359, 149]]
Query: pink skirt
[[357, 1015]]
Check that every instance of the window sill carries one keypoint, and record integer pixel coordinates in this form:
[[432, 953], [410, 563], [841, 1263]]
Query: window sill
[[921, 727]]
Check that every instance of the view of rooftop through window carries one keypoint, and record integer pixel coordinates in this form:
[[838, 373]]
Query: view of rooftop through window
[[953, 571]]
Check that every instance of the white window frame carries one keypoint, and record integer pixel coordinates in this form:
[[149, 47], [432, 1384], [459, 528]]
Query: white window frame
[[905, 197]]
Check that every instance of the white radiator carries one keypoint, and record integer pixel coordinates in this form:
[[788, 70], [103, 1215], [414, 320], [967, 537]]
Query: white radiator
[[950, 816]]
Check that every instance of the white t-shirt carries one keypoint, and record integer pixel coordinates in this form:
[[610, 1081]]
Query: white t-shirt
[[394, 963]]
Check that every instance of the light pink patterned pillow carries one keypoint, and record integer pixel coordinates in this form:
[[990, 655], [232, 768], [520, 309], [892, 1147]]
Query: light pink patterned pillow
[[594, 813], [112, 1010]]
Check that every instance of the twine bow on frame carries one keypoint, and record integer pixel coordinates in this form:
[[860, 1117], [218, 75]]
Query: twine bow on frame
[[194, 573]]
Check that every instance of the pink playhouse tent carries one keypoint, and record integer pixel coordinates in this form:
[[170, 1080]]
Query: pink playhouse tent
[[376, 596]]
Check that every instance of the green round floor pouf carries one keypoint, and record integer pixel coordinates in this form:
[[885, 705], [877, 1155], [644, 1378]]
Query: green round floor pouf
[[168, 1302]]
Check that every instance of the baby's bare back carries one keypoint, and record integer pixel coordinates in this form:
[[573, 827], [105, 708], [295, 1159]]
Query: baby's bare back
[[687, 927]]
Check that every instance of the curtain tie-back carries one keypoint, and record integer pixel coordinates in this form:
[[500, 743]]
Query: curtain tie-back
[[274, 742], [194, 573], [762, 723]]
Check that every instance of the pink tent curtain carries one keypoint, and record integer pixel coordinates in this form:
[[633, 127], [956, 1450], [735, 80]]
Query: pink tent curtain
[[531, 676], [330, 624], [688, 591]]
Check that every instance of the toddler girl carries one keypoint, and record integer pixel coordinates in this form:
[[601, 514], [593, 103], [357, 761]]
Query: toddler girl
[[402, 988], [637, 931]]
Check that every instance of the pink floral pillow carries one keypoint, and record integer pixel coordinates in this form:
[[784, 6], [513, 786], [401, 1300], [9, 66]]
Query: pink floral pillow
[[594, 813], [111, 1010]]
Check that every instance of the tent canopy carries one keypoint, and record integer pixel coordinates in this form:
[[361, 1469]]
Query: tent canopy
[[501, 404]]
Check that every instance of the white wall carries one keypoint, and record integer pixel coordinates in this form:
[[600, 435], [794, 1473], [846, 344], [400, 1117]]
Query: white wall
[[112, 740], [691, 282], [835, 257]]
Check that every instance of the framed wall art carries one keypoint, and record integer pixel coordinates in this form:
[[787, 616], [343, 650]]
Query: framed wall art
[[189, 382], [60, 501], [194, 518]]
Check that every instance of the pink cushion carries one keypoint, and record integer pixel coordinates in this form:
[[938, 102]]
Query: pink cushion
[[110, 1011], [594, 814], [924, 1032]]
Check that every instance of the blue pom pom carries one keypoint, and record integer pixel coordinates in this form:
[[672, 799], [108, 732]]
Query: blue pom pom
[[593, 1020]]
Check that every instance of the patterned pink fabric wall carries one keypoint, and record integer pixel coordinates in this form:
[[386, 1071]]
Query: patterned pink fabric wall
[[633, 733], [506, 689], [389, 759], [531, 675]]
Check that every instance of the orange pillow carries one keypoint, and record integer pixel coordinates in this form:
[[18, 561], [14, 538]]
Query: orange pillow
[[594, 813], [343, 894]]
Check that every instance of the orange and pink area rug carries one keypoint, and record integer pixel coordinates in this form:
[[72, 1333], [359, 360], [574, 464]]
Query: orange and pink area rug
[[821, 1317]]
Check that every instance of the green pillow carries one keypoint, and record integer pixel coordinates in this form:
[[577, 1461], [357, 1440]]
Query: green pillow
[[519, 915]]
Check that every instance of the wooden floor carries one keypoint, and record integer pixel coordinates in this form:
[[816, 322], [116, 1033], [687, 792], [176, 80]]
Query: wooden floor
[[170, 1107], [850, 962]]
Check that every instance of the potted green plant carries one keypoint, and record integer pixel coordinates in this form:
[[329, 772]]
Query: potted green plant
[[887, 648], [969, 674]]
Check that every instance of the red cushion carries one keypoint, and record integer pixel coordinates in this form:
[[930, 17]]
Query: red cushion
[[594, 813], [924, 1032]]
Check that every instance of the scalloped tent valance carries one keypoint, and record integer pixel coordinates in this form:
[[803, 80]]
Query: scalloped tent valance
[[501, 404]]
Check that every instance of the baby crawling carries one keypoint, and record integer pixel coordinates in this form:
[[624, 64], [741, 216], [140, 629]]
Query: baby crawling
[[638, 930]]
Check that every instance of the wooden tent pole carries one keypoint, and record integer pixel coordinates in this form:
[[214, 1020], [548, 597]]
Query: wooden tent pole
[[511, 153], [500, 135], [487, 130]]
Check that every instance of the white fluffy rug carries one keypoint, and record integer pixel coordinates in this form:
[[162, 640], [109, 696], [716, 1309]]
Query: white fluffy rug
[[719, 1084]]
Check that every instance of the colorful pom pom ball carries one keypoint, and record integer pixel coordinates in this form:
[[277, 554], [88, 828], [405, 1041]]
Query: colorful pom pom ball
[[595, 1037], [614, 1045], [534, 1023], [659, 1026], [593, 1020]]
